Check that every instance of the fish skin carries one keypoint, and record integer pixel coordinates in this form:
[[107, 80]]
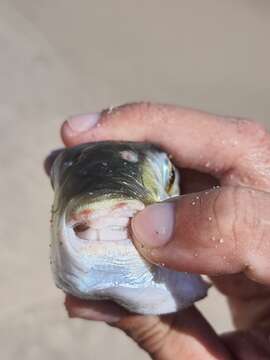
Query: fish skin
[[98, 175]]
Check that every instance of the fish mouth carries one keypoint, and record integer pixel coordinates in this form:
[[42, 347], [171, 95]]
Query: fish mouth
[[103, 220], [93, 250]]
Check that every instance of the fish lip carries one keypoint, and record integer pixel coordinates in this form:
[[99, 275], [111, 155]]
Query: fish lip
[[86, 201]]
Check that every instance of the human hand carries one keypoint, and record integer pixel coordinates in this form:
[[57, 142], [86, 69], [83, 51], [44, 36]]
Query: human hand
[[221, 232]]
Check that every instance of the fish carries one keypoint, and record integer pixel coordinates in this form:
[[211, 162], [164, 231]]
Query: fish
[[98, 188]]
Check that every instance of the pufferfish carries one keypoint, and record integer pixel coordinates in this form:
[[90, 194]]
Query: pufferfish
[[98, 188]]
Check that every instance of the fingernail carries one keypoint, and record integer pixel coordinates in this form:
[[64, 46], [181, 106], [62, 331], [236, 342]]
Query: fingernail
[[154, 226], [82, 123]]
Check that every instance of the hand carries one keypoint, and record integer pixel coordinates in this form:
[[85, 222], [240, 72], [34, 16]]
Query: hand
[[221, 232]]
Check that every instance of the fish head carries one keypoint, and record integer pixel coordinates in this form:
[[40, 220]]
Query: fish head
[[111, 170], [99, 187]]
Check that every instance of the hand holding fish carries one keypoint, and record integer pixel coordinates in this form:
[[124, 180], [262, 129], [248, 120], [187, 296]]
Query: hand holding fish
[[218, 227]]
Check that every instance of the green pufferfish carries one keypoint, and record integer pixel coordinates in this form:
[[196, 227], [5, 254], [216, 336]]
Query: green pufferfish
[[98, 188]]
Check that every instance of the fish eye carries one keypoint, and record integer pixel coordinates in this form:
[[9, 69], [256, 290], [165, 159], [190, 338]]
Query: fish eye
[[171, 180]]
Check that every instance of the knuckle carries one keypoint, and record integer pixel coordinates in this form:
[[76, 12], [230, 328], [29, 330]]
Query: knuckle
[[253, 160], [236, 217], [131, 112], [222, 211], [252, 129], [150, 334], [246, 231], [136, 107]]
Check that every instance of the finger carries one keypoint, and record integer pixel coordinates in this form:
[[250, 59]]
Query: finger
[[240, 287], [249, 301], [236, 151], [182, 335], [222, 231], [94, 310], [249, 345]]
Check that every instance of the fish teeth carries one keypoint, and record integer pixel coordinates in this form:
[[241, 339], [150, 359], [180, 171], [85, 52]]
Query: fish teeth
[[107, 234], [104, 222], [112, 235]]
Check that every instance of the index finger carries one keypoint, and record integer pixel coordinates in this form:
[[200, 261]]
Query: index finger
[[236, 151], [184, 335]]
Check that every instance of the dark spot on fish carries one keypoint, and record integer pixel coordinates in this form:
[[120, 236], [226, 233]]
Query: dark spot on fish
[[80, 227]]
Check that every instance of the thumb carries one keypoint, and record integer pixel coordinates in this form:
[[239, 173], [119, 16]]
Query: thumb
[[221, 231]]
